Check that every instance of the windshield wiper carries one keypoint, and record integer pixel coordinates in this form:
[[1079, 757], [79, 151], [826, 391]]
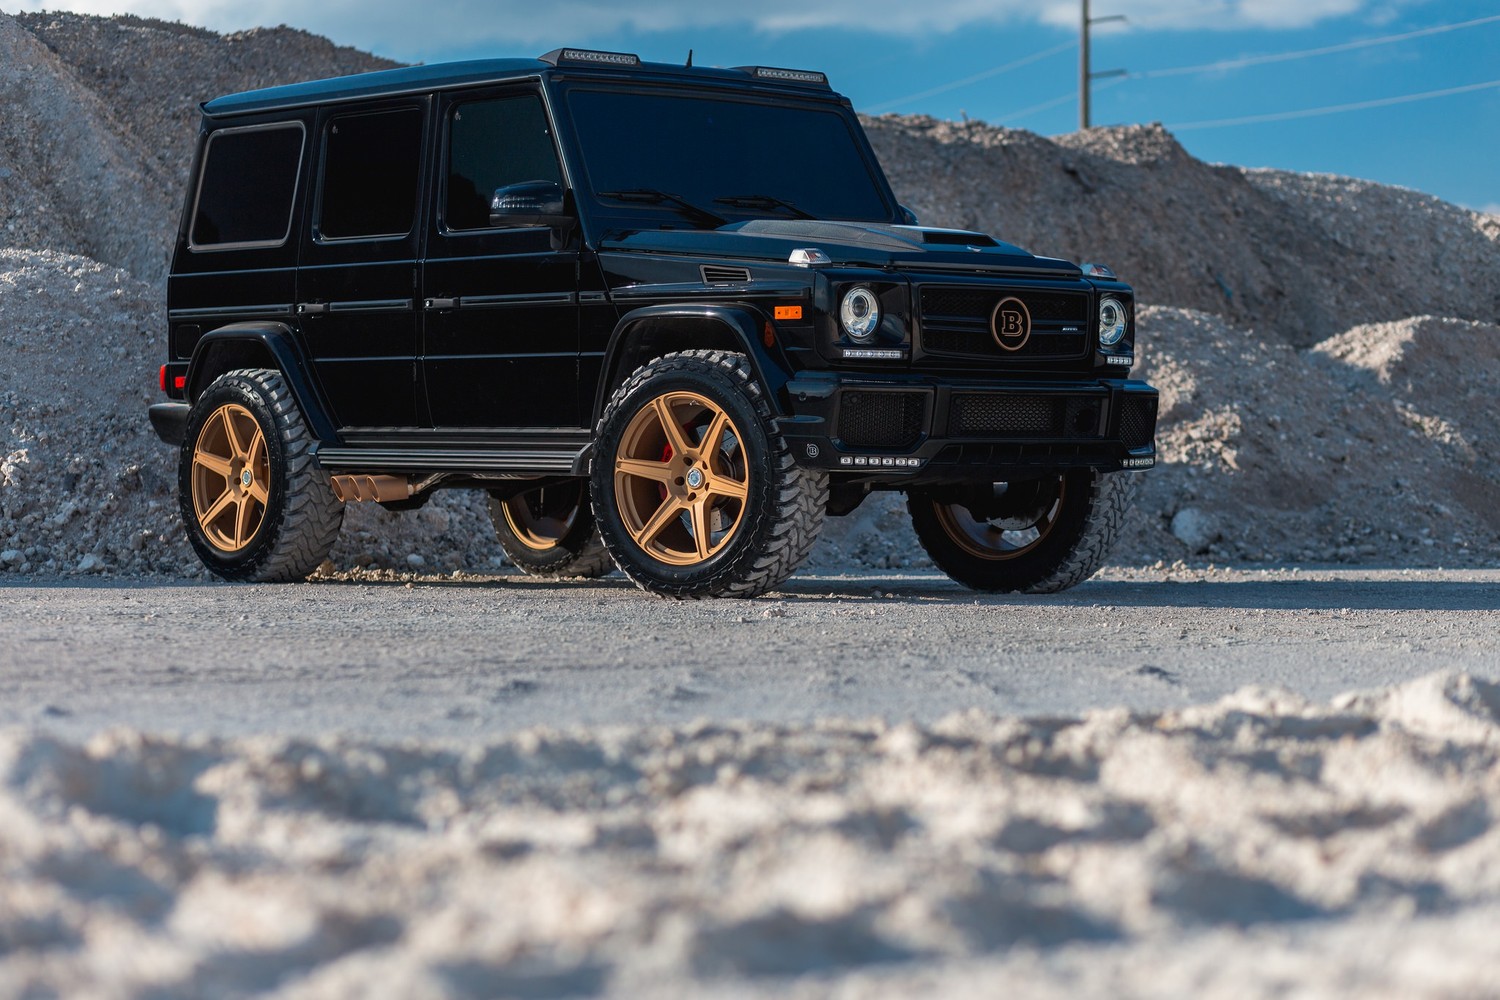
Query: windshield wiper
[[763, 201], [651, 196]]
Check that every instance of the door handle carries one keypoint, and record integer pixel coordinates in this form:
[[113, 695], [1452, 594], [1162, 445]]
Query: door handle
[[311, 308], [438, 304]]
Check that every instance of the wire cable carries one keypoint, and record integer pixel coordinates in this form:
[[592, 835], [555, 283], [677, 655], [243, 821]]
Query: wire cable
[[1333, 109], [1233, 64], [984, 75], [1064, 99]]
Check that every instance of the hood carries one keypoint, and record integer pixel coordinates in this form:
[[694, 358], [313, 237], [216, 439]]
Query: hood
[[846, 243]]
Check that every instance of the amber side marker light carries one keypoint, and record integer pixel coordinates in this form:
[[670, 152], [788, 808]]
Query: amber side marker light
[[788, 312]]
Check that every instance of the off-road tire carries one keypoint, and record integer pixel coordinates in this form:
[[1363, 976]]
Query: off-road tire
[[784, 504], [301, 516], [1088, 520], [576, 553]]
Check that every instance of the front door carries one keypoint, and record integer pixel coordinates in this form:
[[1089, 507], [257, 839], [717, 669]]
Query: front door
[[500, 305], [357, 279]]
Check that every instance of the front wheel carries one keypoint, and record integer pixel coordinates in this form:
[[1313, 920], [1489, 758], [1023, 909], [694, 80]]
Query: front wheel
[[254, 501], [694, 488], [1037, 536]]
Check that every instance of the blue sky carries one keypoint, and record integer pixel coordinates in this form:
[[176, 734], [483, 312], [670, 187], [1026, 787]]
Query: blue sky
[[912, 56]]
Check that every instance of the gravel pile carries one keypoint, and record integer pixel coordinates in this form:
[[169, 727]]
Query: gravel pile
[[1306, 415], [1231, 849]]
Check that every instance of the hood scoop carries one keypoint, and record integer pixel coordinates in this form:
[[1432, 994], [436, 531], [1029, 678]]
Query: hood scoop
[[954, 238]]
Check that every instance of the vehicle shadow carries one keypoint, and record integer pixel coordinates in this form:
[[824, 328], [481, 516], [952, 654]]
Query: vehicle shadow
[[932, 590]]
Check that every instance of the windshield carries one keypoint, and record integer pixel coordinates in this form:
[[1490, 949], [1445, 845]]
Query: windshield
[[731, 158]]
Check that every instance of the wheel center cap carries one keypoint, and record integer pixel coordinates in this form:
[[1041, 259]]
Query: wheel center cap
[[694, 478], [246, 479]]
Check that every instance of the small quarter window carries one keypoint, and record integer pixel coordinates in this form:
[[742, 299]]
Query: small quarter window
[[246, 191], [492, 144], [370, 169]]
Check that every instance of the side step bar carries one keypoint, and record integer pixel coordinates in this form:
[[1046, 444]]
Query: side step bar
[[540, 462]]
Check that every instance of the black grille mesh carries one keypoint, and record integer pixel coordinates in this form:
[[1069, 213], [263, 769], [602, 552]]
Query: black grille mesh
[[880, 419], [957, 321], [1137, 421], [999, 415]]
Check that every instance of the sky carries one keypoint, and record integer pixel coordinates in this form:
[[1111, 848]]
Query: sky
[[1413, 85]]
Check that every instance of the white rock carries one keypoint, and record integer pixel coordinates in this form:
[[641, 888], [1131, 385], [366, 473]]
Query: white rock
[[1194, 528], [415, 560], [11, 557], [90, 563]]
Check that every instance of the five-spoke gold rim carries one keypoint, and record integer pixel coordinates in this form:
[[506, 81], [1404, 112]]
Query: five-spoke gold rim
[[999, 539], [681, 479], [540, 519], [231, 478]]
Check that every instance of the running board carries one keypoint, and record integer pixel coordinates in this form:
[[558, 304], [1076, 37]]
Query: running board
[[535, 462]]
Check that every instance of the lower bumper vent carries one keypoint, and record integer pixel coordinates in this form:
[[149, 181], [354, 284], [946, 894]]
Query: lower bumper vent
[[1138, 421], [881, 419], [974, 415]]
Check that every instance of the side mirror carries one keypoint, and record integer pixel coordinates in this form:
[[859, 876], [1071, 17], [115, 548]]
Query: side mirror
[[531, 203], [907, 215]]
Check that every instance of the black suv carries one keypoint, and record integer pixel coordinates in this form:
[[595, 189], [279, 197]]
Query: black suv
[[668, 317]]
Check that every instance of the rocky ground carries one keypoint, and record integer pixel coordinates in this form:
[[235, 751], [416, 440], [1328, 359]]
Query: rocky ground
[[1254, 847]]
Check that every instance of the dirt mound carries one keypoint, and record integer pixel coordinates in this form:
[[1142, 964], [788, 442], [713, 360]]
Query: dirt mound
[[1229, 848], [1296, 256], [101, 118]]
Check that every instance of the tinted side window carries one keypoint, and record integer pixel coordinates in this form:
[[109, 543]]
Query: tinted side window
[[492, 144], [248, 183], [370, 171]]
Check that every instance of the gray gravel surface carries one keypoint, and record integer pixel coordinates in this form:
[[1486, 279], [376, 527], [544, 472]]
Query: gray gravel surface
[[468, 659]]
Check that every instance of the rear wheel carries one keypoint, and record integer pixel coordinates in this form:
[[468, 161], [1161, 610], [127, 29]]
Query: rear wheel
[[255, 503], [1038, 535], [549, 531], [694, 487]]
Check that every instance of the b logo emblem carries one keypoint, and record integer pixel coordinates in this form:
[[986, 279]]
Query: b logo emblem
[[1011, 324]]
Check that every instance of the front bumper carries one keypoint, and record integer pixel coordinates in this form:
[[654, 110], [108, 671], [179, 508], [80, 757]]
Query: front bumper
[[917, 429]]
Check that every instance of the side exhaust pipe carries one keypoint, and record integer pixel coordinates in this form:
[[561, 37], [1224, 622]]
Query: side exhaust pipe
[[381, 489]]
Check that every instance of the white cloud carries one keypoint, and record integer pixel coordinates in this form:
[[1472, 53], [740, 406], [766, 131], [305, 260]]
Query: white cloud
[[390, 25]]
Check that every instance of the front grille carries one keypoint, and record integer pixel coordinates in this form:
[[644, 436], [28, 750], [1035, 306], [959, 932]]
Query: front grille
[[957, 321], [1137, 421], [976, 415], [880, 419]]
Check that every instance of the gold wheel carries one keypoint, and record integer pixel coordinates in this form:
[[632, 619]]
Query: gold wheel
[[542, 518], [231, 478], [1027, 520], [681, 480]]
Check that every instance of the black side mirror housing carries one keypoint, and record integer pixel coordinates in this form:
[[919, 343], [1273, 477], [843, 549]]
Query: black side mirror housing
[[531, 203], [907, 215]]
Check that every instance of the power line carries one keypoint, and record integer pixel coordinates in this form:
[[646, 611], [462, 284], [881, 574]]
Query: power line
[[1333, 109], [1248, 61], [985, 75], [1054, 102]]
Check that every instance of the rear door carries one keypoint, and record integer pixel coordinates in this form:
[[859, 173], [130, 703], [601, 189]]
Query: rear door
[[500, 330], [357, 279]]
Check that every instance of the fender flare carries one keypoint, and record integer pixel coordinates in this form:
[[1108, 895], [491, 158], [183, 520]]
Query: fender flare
[[277, 340], [744, 325]]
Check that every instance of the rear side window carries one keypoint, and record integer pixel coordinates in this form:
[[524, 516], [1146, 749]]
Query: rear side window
[[246, 191], [370, 171], [492, 144]]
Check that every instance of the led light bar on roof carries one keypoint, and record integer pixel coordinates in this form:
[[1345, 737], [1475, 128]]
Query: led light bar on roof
[[591, 56], [791, 75]]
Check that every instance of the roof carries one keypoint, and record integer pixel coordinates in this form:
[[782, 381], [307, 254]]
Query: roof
[[417, 79], [383, 82]]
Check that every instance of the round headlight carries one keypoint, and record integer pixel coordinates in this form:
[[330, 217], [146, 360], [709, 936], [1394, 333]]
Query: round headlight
[[1112, 321], [860, 313]]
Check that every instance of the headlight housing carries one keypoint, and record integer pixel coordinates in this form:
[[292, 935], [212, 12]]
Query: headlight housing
[[1113, 319], [860, 313]]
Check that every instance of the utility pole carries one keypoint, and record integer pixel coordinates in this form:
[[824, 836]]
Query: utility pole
[[1086, 76]]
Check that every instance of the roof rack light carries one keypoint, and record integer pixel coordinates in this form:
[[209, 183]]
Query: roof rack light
[[789, 75], [557, 56]]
